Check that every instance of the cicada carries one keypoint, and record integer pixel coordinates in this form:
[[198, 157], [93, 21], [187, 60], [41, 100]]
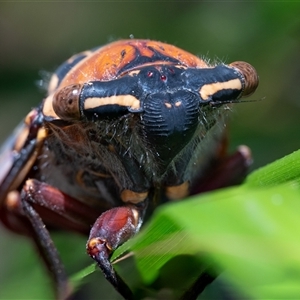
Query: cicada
[[123, 128]]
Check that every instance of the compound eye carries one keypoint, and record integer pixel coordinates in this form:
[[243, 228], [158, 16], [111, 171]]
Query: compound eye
[[249, 74], [66, 102]]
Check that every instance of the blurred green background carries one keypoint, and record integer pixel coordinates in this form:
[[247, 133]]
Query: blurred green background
[[35, 37]]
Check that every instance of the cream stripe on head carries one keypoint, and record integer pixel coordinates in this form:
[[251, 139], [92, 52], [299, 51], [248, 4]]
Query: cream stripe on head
[[210, 89], [121, 100]]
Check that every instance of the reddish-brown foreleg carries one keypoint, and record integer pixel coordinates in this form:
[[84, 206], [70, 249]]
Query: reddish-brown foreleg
[[59, 209], [38, 205], [111, 229], [42, 204]]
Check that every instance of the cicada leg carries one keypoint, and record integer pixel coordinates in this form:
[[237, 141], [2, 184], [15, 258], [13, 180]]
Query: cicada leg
[[39, 204], [20, 212], [42, 204], [56, 207], [49, 251], [110, 230], [224, 171]]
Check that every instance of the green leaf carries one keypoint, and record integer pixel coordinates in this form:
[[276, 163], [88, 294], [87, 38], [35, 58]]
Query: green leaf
[[282, 170], [252, 233]]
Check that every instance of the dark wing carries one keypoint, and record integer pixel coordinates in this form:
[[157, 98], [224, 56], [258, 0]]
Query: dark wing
[[19, 152]]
